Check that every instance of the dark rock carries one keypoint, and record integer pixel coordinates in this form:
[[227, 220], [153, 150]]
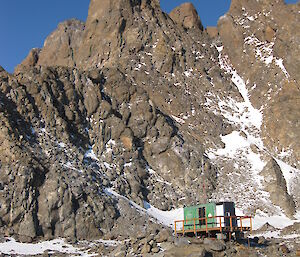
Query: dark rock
[[181, 241], [120, 251], [284, 249], [190, 250], [162, 236], [214, 245], [276, 186], [262, 240], [25, 239]]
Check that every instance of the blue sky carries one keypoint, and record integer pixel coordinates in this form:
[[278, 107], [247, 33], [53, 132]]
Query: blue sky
[[26, 23]]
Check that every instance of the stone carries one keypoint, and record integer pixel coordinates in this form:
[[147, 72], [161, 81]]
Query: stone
[[146, 249], [284, 249], [214, 245], [127, 139], [181, 241], [269, 34], [191, 250], [61, 51], [162, 236], [25, 239], [276, 185], [155, 250], [262, 240], [187, 16], [91, 99], [30, 61], [120, 251], [27, 229], [212, 31]]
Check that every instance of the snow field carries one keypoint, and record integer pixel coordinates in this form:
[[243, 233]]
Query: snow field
[[11, 247]]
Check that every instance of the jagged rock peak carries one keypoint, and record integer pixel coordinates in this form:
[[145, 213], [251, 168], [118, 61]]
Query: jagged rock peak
[[102, 8], [187, 16], [30, 61], [239, 4]]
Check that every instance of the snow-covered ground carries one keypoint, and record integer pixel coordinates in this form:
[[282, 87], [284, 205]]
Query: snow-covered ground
[[277, 221], [165, 217], [11, 247]]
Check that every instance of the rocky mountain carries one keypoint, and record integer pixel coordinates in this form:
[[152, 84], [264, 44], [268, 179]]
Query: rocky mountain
[[156, 108]]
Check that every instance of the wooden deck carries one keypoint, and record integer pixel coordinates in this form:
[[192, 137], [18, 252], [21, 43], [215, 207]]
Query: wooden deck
[[216, 224]]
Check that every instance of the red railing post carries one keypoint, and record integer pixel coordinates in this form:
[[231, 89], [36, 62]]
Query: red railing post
[[194, 226], [230, 223], [220, 224]]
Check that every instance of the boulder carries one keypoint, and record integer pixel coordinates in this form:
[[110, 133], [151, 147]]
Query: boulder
[[163, 236], [214, 245], [181, 241]]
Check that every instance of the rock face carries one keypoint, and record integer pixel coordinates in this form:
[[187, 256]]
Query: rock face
[[275, 184], [30, 61], [264, 32], [187, 16], [259, 39], [139, 105]]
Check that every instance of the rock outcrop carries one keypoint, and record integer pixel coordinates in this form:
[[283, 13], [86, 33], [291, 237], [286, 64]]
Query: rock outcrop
[[275, 184], [187, 16], [154, 108]]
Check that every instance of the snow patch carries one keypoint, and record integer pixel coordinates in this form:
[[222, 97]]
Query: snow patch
[[69, 165], [178, 120], [157, 177], [244, 113], [11, 247], [187, 73], [166, 218], [263, 50], [288, 172], [238, 146], [90, 154], [277, 221], [279, 63], [62, 145]]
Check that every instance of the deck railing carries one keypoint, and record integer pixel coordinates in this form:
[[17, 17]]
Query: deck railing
[[214, 223]]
